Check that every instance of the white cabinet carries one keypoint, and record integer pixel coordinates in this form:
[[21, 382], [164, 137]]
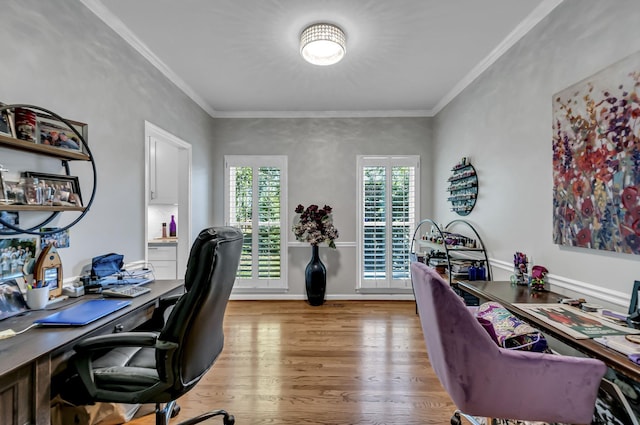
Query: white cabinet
[[163, 172], [163, 258]]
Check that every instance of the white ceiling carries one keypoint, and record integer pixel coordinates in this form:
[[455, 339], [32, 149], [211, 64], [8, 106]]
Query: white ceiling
[[239, 58]]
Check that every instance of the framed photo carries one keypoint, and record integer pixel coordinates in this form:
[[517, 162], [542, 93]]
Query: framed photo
[[6, 123], [55, 133], [57, 239], [10, 217], [57, 189], [12, 193], [16, 252], [12, 301]]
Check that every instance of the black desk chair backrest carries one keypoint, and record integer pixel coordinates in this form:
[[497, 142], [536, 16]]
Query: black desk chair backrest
[[196, 321], [162, 364]]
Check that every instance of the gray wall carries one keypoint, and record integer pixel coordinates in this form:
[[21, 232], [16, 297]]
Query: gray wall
[[322, 170], [506, 115], [59, 55]]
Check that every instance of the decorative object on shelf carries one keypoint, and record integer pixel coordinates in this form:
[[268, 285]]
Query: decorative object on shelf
[[51, 189], [520, 269], [463, 187], [164, 230], [25, 122], [538, 279], [596, 173], [6, 123], [172, 227], [54, 132], [315, 226]]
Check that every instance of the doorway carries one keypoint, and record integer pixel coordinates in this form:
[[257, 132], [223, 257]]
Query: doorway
[[168, 170]]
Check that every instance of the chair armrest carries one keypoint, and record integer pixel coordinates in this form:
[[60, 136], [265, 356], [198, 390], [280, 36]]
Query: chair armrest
[[123, 339], [157, 320], [86, 349]]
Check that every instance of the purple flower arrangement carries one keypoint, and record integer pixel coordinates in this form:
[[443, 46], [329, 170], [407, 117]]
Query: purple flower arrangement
[[315, 225]]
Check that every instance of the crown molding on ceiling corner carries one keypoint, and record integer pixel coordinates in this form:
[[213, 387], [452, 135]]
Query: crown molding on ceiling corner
[[538, 14], [121, 29], [324, 114]]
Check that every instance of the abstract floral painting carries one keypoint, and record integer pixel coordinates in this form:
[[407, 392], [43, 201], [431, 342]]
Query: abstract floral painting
[[596, 160]]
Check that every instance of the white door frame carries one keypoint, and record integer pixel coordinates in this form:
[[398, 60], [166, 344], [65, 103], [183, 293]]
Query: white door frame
[[184, 164]]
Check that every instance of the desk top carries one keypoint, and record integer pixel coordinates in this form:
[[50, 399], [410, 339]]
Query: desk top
[[508, 294], [34, 343]]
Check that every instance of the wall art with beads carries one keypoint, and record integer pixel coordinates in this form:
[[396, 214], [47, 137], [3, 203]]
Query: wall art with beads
[[596, 160]]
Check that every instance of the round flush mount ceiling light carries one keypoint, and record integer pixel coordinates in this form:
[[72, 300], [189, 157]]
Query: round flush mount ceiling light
[[322, 44]]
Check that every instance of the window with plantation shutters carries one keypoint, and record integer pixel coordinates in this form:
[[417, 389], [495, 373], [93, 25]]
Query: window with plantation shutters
[[255, 200], [387, 210]]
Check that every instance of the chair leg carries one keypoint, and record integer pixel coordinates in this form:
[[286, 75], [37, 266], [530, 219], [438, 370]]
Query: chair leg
[[226, 420], [164, 414], [456, 420]]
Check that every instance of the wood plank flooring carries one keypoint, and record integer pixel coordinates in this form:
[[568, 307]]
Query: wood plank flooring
[[345, 362]]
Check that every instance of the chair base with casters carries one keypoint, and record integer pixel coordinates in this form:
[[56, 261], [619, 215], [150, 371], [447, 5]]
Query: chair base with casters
[[166, 359], [171, 409]]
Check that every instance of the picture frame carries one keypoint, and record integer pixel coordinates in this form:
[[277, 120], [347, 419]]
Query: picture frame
[[6, 123], [55, 133], [57, 189], [12, 193], [51, 235], [12, 301], [21, 249], [10, 217]]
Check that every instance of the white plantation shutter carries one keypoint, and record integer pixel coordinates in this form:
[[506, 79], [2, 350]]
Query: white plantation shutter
[[388, 200], [255, 196]]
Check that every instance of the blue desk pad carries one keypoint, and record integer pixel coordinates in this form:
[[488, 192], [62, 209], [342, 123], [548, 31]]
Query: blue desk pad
[[83, 314]]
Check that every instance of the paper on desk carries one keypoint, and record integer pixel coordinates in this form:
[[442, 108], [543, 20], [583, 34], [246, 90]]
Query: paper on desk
[[573, 321], [619, 343]]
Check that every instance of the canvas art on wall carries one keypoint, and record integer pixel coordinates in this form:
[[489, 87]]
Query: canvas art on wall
[[596, 160]]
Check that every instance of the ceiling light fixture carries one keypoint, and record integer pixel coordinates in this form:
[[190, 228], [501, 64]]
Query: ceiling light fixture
[[322, 44]]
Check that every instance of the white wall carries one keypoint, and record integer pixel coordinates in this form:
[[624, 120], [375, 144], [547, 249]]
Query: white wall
[[503, 122], [59, 55]]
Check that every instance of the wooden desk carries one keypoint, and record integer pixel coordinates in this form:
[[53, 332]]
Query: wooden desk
[[28, 361], [507, 294]]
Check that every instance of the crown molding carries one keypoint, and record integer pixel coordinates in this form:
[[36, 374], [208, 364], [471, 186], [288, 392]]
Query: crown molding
[[538, 14], [123, 31], [322, 114]]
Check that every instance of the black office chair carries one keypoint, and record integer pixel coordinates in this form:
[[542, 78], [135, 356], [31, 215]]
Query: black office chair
[[158, 367]]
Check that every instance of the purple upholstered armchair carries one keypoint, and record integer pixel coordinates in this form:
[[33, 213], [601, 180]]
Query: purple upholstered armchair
[[485, 380]]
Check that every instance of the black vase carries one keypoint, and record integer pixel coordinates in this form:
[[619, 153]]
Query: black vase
[[315, 278]]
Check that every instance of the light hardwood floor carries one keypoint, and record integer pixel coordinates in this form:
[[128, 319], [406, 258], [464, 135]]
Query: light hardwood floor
[[345, 362]]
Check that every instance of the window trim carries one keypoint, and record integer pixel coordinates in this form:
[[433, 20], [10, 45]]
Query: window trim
[[258, 285], [388, 161]]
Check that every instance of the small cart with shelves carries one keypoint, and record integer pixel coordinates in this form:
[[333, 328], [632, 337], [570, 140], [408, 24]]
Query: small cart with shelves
[[449, 252]]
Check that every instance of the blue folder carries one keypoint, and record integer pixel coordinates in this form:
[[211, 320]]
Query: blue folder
[[84, 313]]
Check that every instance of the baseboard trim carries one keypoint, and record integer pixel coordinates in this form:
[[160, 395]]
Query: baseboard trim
[[614, 297], [339, 297]]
